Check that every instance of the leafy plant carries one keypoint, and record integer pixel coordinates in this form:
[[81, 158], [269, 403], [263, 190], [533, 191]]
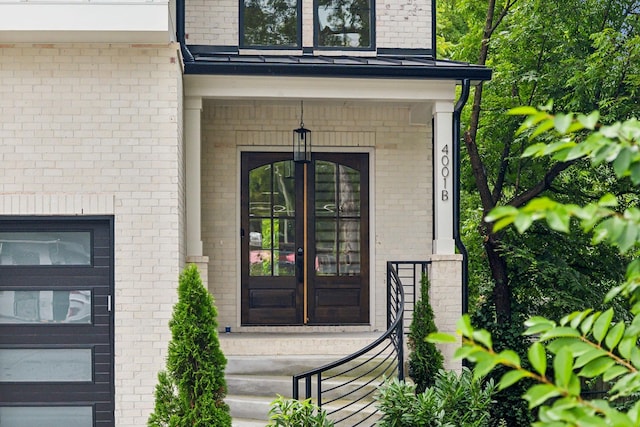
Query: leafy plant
[[296, 413], [191, 391], [425, 359], [453, 401], [585, 344]]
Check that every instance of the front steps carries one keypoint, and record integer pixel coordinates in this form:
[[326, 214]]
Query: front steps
[[260, 366]]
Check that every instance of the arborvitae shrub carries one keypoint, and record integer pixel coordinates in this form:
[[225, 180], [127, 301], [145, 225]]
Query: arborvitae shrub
[[425, 360], [191, 390]]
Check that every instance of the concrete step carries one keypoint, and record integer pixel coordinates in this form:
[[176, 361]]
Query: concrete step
[[289, 344], [255, 410], [260, 366], [242, 422], [249, 407], [272, 385]]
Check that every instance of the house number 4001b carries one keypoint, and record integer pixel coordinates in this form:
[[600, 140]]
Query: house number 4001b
[[444, 171]]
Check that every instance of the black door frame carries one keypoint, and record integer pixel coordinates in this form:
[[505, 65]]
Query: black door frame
[[292, 299]]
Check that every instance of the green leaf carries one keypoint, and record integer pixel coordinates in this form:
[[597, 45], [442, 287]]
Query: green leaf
[[562, 122], [622, 162], [625, 346], [601, 326], [464, 326], [635, 173], [629, 237], [543, 127], [534, 150], [597, 367], [511, 378], [485, 362], [614, 336], [586, 326], [441, 337], [589, 121], [608, 201], [522, 221], [510, 358], [614, 372], [563, 367], [501, 212], [558, 220], [538, 358], [522, 111], [540, 393], [561, 331], [589, 356], [483, 337]]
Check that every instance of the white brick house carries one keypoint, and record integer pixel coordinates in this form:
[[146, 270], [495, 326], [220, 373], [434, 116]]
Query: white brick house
[[138, 136]]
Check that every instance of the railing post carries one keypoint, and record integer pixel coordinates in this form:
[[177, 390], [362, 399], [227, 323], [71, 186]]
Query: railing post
[[307, 386], [295, 388]]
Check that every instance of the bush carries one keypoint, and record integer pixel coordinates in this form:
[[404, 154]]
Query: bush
[[453, 401], [425, 359], [296, 413], [191, 391]]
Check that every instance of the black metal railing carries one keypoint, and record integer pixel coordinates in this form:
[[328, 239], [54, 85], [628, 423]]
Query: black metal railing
[[410, 274], [345, 388]]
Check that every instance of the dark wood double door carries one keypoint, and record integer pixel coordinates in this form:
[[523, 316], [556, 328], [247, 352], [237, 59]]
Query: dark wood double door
[[305, 239]]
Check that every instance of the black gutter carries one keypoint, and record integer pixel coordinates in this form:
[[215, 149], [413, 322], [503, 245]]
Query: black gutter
[[180, 31], [337, 70], [464, 96]]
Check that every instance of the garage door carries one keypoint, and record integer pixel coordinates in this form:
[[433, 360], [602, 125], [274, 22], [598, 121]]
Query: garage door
[[56, 323]]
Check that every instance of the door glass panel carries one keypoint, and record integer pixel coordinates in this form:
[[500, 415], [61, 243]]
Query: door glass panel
[[45, 248], [271, 220], [50, 416], [40, 364], [337, 219], [349, 195], [45, 306], [326, 182], [349, 247], [326, 247]]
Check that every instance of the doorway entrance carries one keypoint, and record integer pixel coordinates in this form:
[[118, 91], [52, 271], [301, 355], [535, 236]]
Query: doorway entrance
[[305, 239]]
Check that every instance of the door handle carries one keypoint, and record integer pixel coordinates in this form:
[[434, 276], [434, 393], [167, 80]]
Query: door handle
[[300, 264]]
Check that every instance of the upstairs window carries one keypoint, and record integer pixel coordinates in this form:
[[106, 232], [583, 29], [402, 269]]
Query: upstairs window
[[270, 23], [344, 23]]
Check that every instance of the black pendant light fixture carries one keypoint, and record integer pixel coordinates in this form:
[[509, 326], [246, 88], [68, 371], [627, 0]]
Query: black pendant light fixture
[[302, 141]]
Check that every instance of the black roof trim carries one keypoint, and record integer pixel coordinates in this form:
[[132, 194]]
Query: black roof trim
[[397, 67]]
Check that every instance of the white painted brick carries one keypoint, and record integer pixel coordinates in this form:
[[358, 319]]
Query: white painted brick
[[79, 136]]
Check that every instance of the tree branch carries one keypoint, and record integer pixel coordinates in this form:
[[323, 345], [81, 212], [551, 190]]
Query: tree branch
[[542, 185]]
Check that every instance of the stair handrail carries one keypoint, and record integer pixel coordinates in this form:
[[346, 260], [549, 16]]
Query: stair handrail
[[394, 332]]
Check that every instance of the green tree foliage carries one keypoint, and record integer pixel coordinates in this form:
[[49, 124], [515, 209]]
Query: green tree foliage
[[585, 55], [586, 344], [452, 401], [425, 360], [191, 391]]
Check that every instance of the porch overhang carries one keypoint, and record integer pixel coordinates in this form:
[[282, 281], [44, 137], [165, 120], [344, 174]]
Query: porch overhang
[[378, 67]]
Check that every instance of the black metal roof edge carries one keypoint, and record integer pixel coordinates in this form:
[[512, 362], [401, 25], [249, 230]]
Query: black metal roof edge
[[448, 72]]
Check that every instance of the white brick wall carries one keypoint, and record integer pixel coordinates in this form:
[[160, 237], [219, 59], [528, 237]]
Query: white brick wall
[[401, 179], [403, 24], [88, 129]]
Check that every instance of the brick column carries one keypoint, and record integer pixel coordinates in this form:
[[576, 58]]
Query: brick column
[[445, 276]]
